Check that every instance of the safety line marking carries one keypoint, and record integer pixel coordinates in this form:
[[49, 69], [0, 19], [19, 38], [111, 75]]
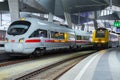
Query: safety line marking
[[79, 76]]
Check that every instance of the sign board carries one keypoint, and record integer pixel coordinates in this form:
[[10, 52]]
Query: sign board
[[118, 30], [117, 24]]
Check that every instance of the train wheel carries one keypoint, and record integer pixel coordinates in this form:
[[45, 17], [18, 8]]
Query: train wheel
[[32, 55], [39, 52], [35, 53]]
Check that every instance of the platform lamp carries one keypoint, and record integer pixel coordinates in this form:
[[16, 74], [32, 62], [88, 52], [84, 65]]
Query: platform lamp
[[2, 0], [0, 19]]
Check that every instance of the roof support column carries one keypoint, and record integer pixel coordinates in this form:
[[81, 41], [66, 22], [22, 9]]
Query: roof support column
[[95, 20], [68, 19], [14, 9], [83, 26], [50, 17], [0, 19], [79, 18]]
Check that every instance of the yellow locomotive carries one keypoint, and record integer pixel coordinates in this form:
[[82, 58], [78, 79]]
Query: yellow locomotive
[[103, 38]]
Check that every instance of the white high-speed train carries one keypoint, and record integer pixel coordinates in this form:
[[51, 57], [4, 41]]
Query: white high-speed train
[[33, 35]]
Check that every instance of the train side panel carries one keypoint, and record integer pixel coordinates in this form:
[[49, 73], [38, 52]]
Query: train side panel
[[54, 37], [36, 36]]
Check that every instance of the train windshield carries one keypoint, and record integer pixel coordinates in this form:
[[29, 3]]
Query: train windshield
[[100, 34], [18, 28]]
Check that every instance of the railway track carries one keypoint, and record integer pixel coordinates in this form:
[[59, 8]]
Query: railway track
[[45, 64], [55, 69], [7, 60], [6, 63]]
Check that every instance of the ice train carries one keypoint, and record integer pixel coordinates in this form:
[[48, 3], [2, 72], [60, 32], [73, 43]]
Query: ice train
[[33, 35]]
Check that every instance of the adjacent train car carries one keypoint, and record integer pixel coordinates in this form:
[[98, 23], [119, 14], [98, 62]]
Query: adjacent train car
[[103, 38], [83, 39], [35, 36], [2, 37]]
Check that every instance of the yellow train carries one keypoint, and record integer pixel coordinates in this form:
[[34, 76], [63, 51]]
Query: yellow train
[[103, 38]]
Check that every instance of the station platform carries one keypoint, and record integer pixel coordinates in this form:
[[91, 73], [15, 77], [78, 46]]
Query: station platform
[[103, 65]]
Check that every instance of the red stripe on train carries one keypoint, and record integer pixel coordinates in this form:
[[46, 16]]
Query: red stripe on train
[[82, 41], [32, 40], [12, 40], [49, 40]]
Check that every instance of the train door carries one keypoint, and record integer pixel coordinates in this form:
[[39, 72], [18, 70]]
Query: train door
[[54, 39], [47, 41], [72, 39], [39, 34]]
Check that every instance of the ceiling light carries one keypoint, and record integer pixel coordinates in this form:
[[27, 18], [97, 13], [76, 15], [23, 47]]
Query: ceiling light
[[2, 0]]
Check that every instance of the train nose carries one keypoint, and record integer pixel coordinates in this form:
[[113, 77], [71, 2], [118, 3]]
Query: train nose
[[14, 47], [99, 40]]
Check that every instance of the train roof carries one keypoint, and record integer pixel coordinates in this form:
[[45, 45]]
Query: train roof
[[101, 28], [84, 33], [46, 23], [114, 33]]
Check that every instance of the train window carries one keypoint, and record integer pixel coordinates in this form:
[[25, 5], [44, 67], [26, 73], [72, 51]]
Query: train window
[[18, 28], [57, 35], [85, 37], [100, 34], [2, 35], [79, 37], [39, 33], [71, 37]]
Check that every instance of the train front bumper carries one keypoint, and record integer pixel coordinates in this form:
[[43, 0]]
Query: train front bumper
[[14, 47], [101, 44], [19, 48]]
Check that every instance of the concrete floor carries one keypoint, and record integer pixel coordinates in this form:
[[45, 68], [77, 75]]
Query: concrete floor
[[103, 65]]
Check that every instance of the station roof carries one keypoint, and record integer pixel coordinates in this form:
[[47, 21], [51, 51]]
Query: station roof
[[113, 16], [58, 7]]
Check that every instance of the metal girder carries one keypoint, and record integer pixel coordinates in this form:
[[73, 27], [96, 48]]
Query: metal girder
[[118, 13], [49, 5], [14, 9], [31, 6], [4, 6], [82, 19], [83, 5], [113, 16], [58, 7], [87, 8], [114, 2]]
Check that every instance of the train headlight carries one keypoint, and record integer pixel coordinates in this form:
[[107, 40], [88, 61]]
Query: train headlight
[[102, 41], [21, 40], [96, 41], [6, 39]]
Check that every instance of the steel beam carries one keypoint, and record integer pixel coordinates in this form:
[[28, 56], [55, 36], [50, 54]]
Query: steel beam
[[0, 19], [95, 20], [50, 17], [14, 9], [68, 19]]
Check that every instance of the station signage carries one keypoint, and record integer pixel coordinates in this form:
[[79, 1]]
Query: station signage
[[116, 24]]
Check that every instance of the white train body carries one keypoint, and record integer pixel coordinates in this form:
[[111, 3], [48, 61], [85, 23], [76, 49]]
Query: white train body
[[31, 34], [83, 39], [113, 40]]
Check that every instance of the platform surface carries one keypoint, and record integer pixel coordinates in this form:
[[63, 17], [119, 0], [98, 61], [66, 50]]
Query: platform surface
[[103, 65]]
